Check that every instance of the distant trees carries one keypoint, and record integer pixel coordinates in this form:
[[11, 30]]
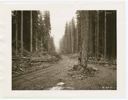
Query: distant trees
[[31, 32], [69, 40], [93, 36]]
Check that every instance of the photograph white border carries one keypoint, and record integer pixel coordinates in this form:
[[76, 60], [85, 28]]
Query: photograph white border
[[6, 50]]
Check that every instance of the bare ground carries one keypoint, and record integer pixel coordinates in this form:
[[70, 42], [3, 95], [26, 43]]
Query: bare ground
[[61, 71]]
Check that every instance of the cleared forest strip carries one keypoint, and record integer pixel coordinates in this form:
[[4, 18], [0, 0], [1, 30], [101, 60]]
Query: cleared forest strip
[[26, 65], [44, 79]]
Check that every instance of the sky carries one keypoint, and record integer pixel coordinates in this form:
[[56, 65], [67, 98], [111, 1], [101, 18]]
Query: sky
[[59, 17]]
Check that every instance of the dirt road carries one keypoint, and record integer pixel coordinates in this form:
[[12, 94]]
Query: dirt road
[[60, 72]]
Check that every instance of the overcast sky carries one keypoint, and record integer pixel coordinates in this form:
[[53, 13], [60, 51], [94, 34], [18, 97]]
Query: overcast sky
[[58, 21]]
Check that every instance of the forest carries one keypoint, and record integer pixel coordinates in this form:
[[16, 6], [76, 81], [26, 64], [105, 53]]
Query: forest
[[93, 37], [87, 54], [31, 32]]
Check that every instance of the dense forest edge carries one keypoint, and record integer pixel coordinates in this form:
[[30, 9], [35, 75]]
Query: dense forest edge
[[31, 40]]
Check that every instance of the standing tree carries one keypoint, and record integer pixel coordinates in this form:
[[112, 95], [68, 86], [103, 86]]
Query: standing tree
[[83, 20]]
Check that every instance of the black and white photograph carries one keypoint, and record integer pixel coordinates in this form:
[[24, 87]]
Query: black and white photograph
[[64, 49]]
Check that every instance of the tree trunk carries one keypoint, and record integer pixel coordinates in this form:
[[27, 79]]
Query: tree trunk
[[31, 33], [84, 33], [22, 33], [16, 33], [97, 36], [105, 35]]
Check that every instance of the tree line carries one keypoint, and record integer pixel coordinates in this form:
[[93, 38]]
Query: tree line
[[92, 36], [31, 32]]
